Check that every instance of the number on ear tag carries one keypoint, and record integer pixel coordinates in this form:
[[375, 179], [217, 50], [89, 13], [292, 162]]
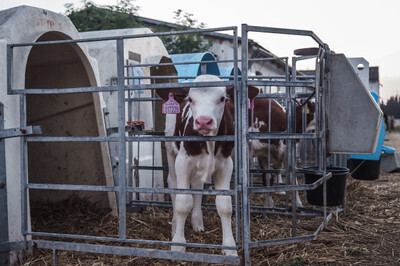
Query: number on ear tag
[[171, 106]]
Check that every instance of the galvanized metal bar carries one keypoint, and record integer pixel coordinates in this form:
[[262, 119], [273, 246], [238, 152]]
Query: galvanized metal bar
[[130, 138], [291, 240], [304, 212], [129, 189], [243, 164], [292, 157], [55, 257], [10, 69], [181, 191], [131, 241], [318, 104], [121, 141], [181, 138], [278, 188], [323, 138], [17, 132], [129, 73], [280, 135], [281, 95], [272, 77], [123, 37], [145, 99], [64, 91], [287, 103], [236, 173], [287, 32], [115, 88], [212, 62], [70, 187], [4, 256], [181, 85], [138, 252], [24, 168], [169, 77], [71, 139], [282, 83], [282, 241]]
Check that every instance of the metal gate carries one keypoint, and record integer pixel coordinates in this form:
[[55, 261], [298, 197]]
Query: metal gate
[[245, 188]]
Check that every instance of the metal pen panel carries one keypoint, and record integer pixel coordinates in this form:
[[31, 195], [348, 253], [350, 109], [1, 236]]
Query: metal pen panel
[[282, 88], [121, 142]]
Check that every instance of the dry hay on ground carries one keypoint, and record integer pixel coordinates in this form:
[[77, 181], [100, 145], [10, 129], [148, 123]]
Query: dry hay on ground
[[367, 233]]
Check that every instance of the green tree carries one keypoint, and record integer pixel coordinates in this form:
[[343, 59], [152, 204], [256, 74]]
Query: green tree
[[188, 43], [91, 17], [124, 15]]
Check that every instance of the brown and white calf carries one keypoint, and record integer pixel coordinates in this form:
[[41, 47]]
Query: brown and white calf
[[192, 163], [273, 152]]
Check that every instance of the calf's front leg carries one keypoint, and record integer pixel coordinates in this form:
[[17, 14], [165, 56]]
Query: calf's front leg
[[197, 214], [223, 175], [183, 202]]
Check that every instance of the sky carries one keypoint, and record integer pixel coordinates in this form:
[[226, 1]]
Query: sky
[[356, 28]]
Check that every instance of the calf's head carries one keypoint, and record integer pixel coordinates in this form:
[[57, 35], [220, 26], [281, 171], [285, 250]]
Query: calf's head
[[206, 105]]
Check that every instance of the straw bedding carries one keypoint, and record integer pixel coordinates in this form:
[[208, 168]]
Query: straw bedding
[[368, 233]]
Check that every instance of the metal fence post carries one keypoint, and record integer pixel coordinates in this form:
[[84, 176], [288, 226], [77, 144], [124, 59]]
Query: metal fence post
[[121, 142], [4, 256], [243, 161]]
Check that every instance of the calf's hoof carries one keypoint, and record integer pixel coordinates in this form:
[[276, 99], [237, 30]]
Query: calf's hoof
[[178, 248], [197, 225], [229, 252]]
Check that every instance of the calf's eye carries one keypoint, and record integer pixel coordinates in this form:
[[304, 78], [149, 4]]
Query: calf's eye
[[222, 99], [190, 100]]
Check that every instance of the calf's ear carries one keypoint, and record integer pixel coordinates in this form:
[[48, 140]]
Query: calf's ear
[[179, 94], [252, 92], [311, 106], [230, 92]]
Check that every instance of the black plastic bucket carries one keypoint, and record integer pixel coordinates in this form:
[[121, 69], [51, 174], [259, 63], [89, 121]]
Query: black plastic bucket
[[365, 169], [335, 186]]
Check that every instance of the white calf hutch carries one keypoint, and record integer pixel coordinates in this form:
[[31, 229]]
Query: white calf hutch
[[81, 119]]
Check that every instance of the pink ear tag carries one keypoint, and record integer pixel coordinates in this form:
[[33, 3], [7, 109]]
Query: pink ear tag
[[250, 104], [171, 106]]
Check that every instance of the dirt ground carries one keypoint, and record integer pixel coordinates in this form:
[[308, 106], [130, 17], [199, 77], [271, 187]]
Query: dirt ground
[[368, 233]]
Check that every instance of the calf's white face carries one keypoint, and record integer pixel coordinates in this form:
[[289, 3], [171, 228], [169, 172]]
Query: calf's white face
[[206, 106]]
